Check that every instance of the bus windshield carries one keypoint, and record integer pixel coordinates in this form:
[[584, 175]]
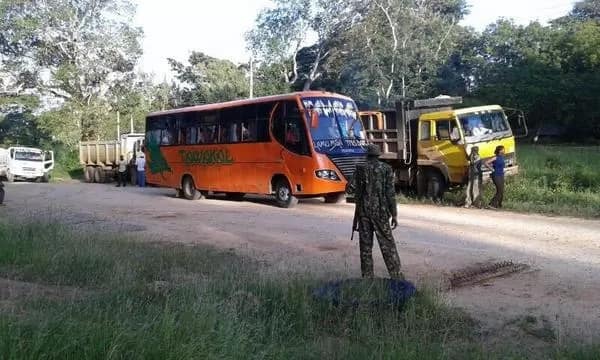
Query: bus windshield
[[339, 124], [28, 156], [484, 126]]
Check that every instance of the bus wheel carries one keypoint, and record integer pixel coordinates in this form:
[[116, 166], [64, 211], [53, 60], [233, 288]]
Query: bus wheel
[[189, 189], [89, 174], [335, 198], [235, 196], [283, 194]]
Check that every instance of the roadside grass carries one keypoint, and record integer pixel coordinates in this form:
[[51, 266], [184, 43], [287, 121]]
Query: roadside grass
[[66, 166], [553, 180], [151, 301]]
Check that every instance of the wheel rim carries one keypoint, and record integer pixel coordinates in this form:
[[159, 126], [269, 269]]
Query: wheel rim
[[283, 193]]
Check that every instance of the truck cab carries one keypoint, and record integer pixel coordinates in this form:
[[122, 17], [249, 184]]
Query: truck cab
[[427, 142], [26, 163]]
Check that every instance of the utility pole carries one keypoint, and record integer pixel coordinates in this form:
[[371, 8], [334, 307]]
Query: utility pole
[[131, 124], [251, 76], [118, 125]]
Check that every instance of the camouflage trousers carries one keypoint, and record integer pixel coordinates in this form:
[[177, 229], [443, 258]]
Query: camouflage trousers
[[366, 228]]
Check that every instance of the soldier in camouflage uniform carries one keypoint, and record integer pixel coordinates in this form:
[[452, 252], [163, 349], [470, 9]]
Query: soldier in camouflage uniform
[[373, 189]]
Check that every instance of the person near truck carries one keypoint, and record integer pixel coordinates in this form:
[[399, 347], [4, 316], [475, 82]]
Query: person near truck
[[122, 172], [373, 189], [475, 179], [140, 163], [496, 164]]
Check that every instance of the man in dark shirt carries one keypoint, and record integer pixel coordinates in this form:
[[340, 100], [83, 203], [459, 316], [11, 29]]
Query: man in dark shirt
[[373, 189]]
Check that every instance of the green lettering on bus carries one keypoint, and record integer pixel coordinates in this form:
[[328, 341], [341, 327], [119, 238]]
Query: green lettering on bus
[[206, 157]]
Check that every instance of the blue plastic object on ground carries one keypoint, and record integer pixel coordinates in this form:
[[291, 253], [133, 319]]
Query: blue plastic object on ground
[[397, 291]]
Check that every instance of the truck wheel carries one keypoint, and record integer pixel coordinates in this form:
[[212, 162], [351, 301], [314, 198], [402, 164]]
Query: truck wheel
[[435, 185], [89, 174], [189, 189], [335, 198], [45, 178], [99, 175], [10, 177], [421, 182], [283, 194]]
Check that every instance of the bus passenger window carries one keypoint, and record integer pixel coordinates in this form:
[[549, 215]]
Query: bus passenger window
[[288, 128], [169, 131]]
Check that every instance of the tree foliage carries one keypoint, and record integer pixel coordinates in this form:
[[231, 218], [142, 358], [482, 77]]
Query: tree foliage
[[207, 80]]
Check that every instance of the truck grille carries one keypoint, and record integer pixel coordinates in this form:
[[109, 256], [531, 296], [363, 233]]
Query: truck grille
[[347, 164], [28, 169]]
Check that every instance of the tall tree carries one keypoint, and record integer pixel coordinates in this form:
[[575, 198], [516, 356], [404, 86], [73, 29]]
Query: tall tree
[[207, 80], [73, 50], [402, 43], [296, 36]]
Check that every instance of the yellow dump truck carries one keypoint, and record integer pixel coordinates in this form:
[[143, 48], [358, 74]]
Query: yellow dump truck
[[427, 142], [100, 158]]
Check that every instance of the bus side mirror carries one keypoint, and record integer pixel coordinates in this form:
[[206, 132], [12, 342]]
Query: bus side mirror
[[314, 119]]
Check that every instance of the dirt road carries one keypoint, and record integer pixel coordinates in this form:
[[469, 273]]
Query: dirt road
[[561, 290]]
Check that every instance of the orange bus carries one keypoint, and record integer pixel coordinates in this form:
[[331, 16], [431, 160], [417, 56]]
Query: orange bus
[[292, 146]]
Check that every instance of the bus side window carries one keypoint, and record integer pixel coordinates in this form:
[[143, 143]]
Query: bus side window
[[209, 129], [288, 128], [154, 127], [188, 129], [169, 131], [263, 113]]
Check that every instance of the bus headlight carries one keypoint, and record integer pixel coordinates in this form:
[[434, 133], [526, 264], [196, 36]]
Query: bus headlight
[[327, 175]]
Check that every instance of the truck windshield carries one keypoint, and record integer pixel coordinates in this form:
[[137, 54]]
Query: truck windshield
[[28, 156], [485, 126], [339, 123]]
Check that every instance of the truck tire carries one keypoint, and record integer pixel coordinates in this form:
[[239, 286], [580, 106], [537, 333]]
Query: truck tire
[[435, 185], [99, 175], [45, 178], [189, 190], [283, 194], [88, 174], [421, 182], [335, 198]]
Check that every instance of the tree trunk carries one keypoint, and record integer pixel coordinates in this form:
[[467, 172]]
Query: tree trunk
[[307, 84]]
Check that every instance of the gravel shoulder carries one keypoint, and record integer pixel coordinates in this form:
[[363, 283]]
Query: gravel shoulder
[[561, 288]]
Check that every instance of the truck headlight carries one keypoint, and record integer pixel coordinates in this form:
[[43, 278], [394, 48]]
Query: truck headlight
[[327, 175]]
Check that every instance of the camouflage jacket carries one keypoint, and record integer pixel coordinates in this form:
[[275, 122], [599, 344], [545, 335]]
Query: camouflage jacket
[[373, 189]]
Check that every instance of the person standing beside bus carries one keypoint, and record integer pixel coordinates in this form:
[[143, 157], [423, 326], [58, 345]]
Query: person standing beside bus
[[475, 179], [140, 163], [496, 164], [122, 172], [373, 186]]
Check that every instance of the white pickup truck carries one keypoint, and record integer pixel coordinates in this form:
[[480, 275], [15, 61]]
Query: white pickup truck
[[26, 163]]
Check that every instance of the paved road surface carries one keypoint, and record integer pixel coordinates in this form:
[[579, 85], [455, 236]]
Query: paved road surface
[[564, 253]]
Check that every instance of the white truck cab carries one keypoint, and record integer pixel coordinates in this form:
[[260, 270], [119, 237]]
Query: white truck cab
[[26, 163]]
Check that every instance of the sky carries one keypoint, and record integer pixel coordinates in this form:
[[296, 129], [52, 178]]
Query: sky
[[174, 28]]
